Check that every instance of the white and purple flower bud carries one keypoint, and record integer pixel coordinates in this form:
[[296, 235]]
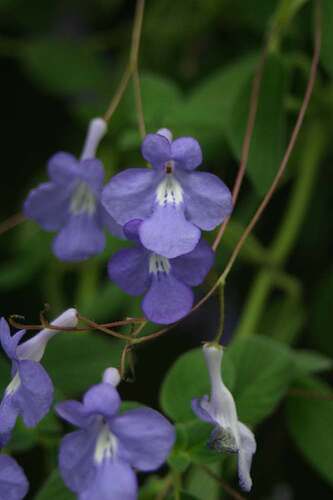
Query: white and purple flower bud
[[229, 434], [34, 348]]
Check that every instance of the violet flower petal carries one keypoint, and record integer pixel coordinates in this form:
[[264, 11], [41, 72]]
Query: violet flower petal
[[168, 233], [74, 413], [167, 299], [63, 168], [193, 267], [246, 450], [8, 415], [156, 150], [81, 238], [129, 269], [102, 399], [114, 480], [145, 438], [35, 394], [48, 204], [13, 482], [200, 412], [186, 152], [76, 463], [131, 194], [9, 342], [207, 199]]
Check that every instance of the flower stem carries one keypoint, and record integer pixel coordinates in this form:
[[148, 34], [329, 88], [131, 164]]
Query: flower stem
[[131, 66]]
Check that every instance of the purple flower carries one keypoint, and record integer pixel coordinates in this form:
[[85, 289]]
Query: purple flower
[[97, 461], [30, 392], [70, 202], [165, 283], [13, 483], [229, 435], [173, 200]]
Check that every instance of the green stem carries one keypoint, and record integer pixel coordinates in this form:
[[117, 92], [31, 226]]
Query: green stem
[[284, 241]]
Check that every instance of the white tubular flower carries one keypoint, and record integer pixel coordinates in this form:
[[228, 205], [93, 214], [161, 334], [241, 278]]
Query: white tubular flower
[[229, 435]]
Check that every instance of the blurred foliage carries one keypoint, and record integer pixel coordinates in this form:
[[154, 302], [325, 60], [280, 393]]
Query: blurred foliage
[[61, 63]]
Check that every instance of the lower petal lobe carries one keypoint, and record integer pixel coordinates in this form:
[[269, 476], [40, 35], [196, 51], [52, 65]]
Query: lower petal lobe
[[81, 238], [167, 299], [168, 233], [114, 480]]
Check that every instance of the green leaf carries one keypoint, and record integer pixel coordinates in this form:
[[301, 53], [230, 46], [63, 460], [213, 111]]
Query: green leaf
[[212, 101], [311, 362], [252, 250], [187, 379], [191, 445], [263, 369], [309, 421], [54, 489], [75, 361], [159, 95], [200, 484], [283, 319], [327, 41], [268, 138], [64, 67]]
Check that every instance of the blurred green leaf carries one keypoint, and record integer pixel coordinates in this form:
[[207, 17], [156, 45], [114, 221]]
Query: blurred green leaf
[[151, 488], [268, 138], [327, 41], [65, 67], [31, 253], [283, 319], [211, 103], [75, 361], [307, 362], [309, 422], [263, 371], [187, 379], [200, 484], [191, 445], [252, 250], [54, 489]]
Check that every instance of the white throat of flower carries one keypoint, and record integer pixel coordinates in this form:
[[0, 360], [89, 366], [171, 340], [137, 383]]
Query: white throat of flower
[[106, 445], [221, 405], [159, 264], [13, 385], [169, 191], [83, 200]]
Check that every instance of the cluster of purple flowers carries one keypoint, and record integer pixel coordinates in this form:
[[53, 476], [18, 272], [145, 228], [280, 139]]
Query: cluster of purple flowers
[[97, 461], [162, 211], [163, 208]]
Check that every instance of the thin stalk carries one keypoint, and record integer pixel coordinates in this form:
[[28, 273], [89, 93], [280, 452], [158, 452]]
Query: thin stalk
[[132, 61]]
